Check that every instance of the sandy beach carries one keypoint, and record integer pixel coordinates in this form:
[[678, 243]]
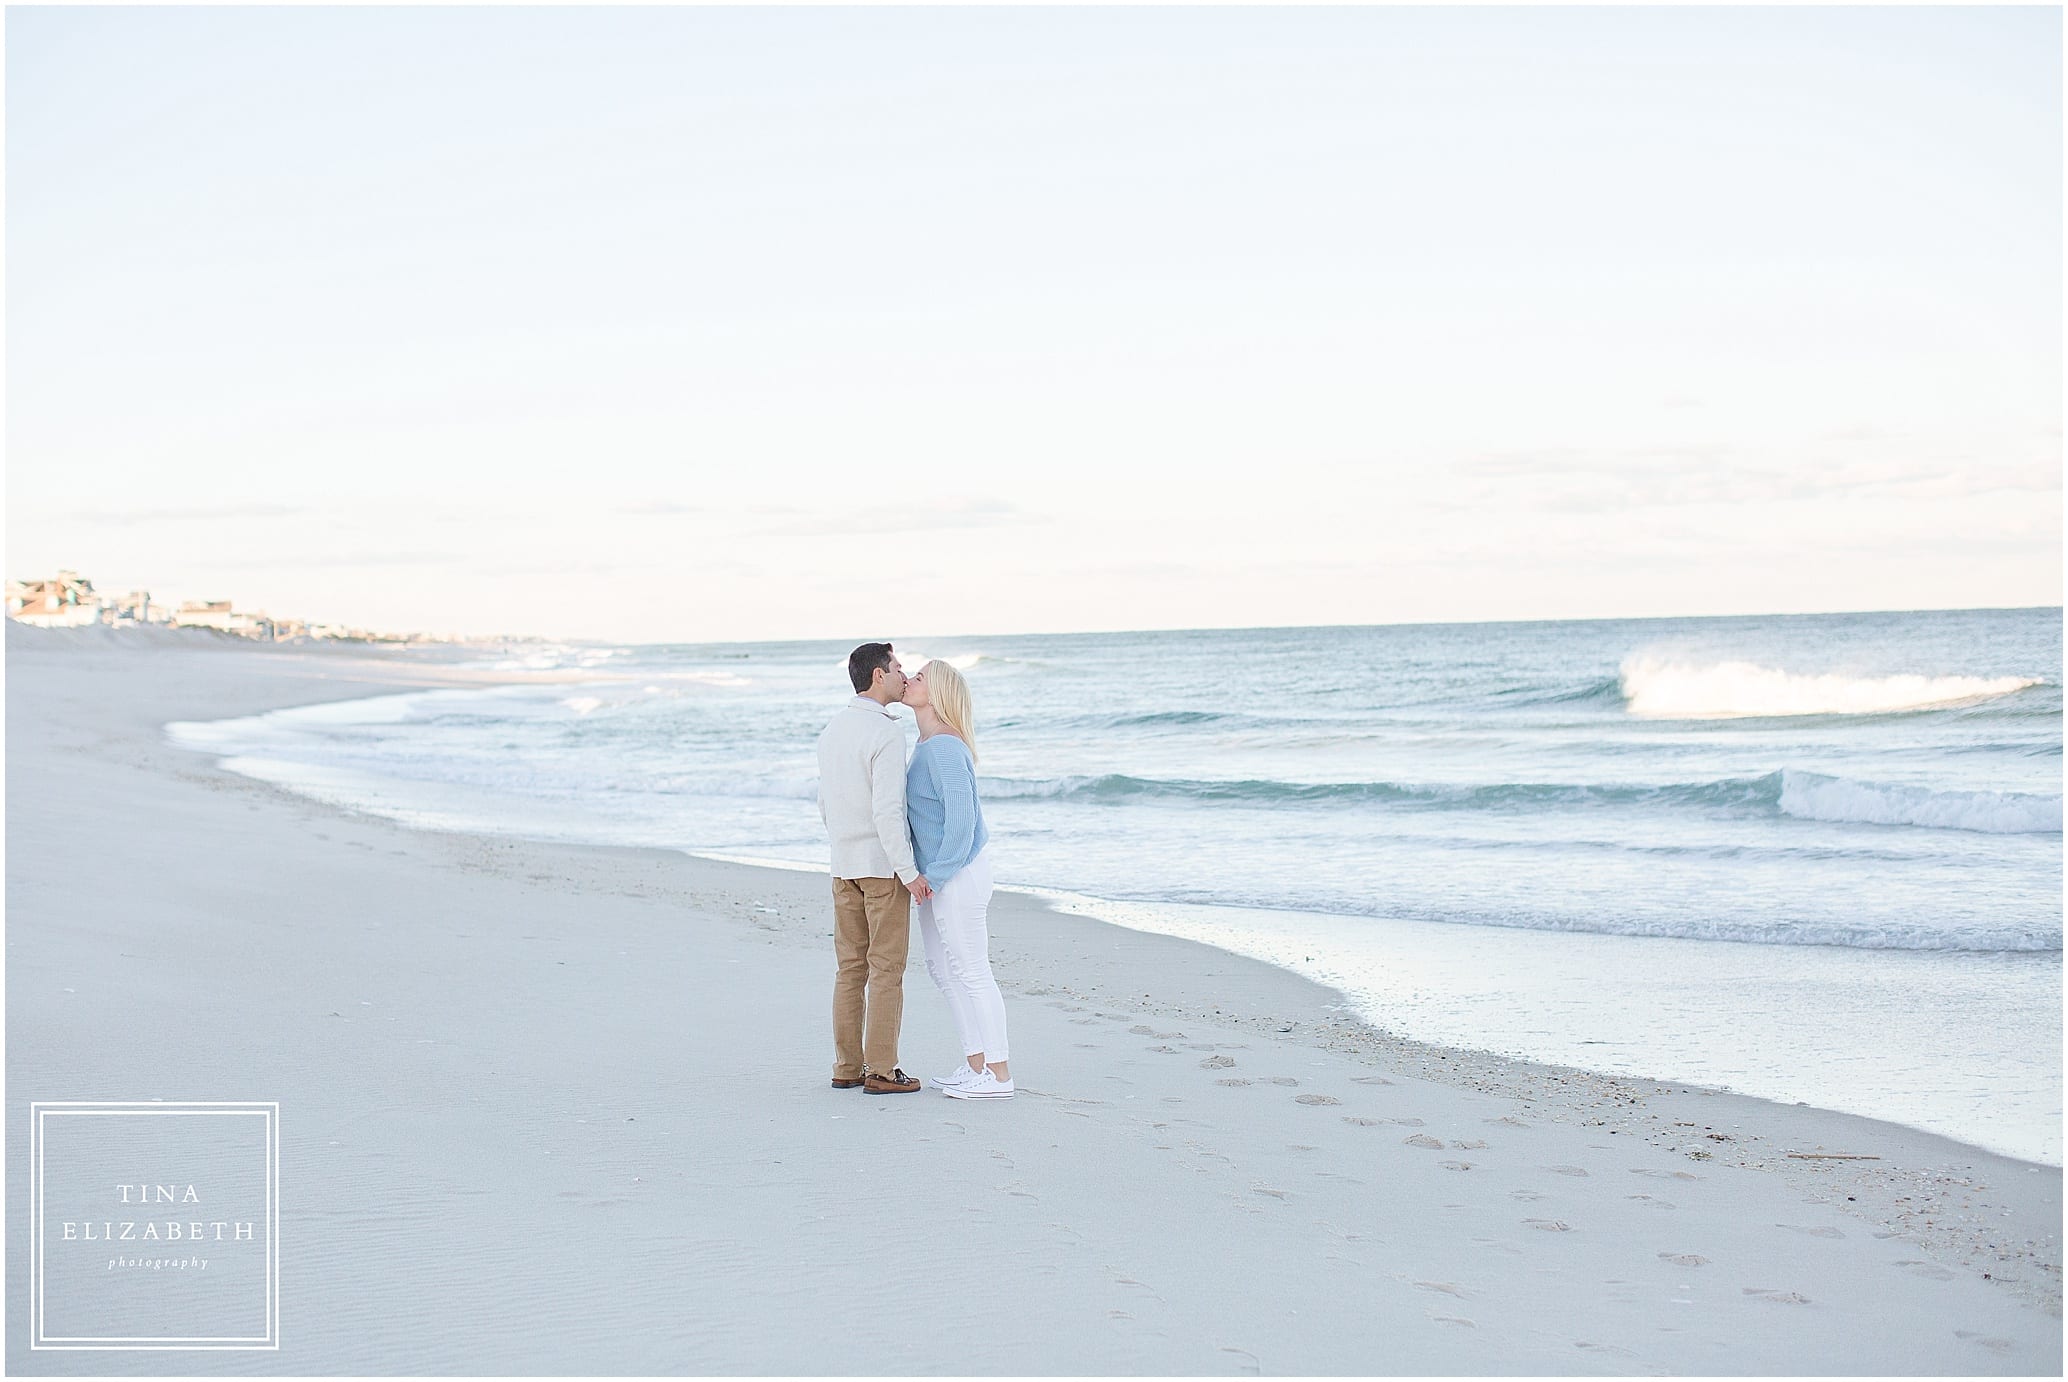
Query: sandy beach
[[564, 1109]]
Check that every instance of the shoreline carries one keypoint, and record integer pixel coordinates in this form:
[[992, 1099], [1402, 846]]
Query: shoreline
[[1108, 912], [1965, 1208]]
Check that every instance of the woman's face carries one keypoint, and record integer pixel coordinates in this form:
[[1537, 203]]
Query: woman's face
[[915, 691]]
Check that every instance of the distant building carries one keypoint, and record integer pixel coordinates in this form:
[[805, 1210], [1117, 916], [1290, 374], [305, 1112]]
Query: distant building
[[217, 614], [70, 599], [67, 599], [136, 608]]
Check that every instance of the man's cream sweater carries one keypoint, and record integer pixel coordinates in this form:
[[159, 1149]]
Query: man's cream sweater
[[862, 792]]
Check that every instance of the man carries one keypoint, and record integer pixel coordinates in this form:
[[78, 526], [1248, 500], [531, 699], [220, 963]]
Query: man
[[862, 801]]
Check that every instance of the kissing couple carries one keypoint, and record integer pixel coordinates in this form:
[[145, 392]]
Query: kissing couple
[[905, 832]]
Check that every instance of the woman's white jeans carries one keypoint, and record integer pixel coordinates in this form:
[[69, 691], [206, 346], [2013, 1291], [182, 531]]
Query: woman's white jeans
[[954, 924]]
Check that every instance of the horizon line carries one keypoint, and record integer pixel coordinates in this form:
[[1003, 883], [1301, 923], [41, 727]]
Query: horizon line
[[1267, 628]]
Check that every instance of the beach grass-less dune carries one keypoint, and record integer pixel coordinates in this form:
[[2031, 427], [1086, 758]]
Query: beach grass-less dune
[[564, 1109]]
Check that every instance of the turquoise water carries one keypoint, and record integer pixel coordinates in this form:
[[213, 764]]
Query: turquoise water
[[1797, 789]]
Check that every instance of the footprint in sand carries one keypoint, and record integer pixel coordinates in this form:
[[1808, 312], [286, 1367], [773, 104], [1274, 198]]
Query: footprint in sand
[[1684, 1259], [1926, 1269], [1140, 1030], [1469, 1146], [1234, 1082], [1777, 1297], [1199, 1046], [1166, 1050], [1316, 1099], [1567, 1170], [1994, 1345], [1280, 1079], [1369, 1079], [1217, 1063], [1119, 1280], [1422, 1140], [1255, 1364], [1822, 1231], [1650, 1201], [1360, 1122], [1406, 1122], [1449, 1288], [1453, 1319], [1267, 1190], [1457, 1165], [1524, 1195], [1508, 1122], [1550, 1225]]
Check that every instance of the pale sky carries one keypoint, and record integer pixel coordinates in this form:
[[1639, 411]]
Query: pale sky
[[685, 324]]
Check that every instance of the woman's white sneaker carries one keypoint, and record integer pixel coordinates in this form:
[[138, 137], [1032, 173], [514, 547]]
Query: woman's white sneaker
[[961, 1074], [983, 1086]]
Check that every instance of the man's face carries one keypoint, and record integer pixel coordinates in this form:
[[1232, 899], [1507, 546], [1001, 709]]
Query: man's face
[[893, 680]]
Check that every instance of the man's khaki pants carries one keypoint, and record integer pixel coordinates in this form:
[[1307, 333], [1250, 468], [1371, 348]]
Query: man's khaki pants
[[872, 932]]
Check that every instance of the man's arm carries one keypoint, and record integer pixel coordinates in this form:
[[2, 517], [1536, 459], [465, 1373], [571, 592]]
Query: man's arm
[[887, 804], [821, 793]]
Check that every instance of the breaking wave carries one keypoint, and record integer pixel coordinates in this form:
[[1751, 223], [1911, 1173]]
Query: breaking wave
[[1722, 690], [1787, 791], [1813, 796]]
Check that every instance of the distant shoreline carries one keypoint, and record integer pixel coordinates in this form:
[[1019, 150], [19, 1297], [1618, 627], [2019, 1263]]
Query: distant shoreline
[[421, 639]]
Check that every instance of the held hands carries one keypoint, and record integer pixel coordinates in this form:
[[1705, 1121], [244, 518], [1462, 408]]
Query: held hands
[[920, 889]]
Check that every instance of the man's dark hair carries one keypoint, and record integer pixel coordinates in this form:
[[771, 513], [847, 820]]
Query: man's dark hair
[[863, 662]]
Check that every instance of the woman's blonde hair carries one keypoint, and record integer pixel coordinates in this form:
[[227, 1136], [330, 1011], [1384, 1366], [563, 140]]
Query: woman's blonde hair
[[949, 694]]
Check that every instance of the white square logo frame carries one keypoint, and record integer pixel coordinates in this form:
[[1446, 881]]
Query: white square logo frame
[[41, 1110]]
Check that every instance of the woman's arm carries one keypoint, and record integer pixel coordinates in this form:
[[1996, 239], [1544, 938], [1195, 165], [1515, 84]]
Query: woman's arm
[[957, 785]]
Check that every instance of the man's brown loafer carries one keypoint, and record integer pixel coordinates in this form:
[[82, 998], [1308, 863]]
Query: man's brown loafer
[[855, 1083], [896, 1082]]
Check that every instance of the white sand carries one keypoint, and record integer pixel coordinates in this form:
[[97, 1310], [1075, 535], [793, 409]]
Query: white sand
[[555, 1109]]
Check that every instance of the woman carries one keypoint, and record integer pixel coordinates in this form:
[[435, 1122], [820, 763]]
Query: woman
[[948, 845]]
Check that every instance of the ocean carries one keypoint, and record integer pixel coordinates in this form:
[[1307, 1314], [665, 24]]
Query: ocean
[[1804, 857]]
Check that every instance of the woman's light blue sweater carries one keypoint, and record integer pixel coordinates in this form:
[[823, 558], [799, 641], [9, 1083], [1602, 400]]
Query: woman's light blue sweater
[[942, 809]]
